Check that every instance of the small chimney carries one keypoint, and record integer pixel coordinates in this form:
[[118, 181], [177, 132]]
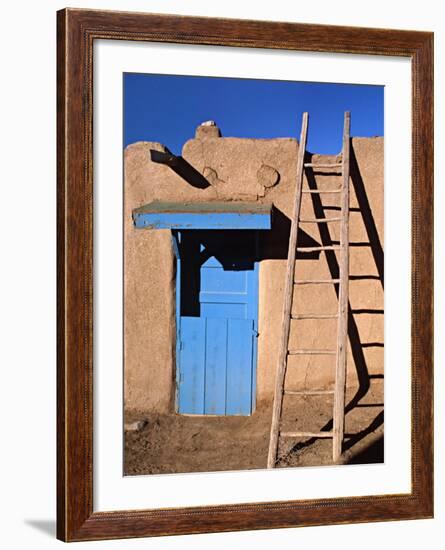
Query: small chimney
[[207, 129]]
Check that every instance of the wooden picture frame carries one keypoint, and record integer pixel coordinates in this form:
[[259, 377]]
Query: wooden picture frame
[[77, 31]]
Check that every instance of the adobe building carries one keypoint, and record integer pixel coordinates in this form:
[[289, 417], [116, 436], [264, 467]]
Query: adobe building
[[205, 247]]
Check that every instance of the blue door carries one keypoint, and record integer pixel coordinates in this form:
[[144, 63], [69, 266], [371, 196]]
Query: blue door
[[217, 315]]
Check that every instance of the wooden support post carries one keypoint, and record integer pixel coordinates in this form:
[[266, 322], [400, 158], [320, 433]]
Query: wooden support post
[[287, 305], [342, 335]]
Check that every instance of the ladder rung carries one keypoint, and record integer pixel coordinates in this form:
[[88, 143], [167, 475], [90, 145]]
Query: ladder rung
[[316, 248], [332, 165], [308, 392], [312, 352], [317, 282], [320, 220], [315, 316], [306, 434], [322, 190]]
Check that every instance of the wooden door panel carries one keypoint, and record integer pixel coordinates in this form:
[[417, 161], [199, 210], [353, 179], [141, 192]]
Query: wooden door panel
[[215, 367], [192, 366], [218, 286], [240, 336]]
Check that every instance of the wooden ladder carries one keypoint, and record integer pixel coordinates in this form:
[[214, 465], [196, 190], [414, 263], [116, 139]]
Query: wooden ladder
[[337, 433]]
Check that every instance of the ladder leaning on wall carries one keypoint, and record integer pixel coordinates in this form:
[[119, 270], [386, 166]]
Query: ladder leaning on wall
[[338, 393]]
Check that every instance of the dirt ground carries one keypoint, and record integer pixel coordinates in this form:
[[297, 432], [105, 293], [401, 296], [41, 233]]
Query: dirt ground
[[177, 443]]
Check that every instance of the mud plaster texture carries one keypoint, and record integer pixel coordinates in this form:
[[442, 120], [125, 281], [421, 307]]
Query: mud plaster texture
[[259, 170], [172, 443]]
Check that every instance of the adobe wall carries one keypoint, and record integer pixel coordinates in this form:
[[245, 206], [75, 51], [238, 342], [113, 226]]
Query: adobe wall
[[254, 170]]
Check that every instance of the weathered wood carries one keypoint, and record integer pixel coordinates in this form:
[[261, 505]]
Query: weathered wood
[[203, 215], [315, 316], [312, 352], [316, 166], [306, 434], [320, 220], [317, 248], [321, 190], [342, 333], [288, 297], [317, 282], [340, 374], [287, 303]]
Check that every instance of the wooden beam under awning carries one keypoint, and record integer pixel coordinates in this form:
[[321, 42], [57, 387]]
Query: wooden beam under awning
[[203, 215]]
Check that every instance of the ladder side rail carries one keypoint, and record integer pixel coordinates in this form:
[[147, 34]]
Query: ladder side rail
[[342, 333], [287, 303]]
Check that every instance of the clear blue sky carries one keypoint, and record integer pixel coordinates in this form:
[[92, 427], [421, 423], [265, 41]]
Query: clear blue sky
[[167, 109]]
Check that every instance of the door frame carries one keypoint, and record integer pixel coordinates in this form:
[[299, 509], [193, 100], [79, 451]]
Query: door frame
[[176, 244]]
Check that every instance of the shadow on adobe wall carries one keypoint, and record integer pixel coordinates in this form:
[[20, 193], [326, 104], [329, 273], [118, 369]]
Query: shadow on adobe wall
[[274, 245], [375, 245], [372, 454]]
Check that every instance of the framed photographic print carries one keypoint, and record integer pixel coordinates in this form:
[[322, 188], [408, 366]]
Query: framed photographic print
[[233, 197]]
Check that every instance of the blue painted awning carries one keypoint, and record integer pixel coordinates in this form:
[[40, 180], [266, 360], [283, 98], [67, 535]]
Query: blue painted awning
[[203, 215]]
